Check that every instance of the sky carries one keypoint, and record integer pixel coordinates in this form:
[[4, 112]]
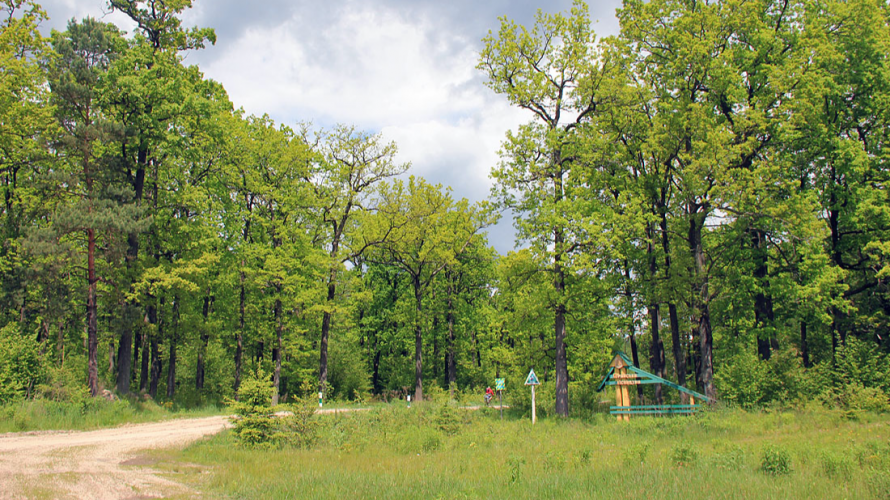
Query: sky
[[403, 68]]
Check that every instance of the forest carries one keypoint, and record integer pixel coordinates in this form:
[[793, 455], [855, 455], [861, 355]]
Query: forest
[[707, 191]]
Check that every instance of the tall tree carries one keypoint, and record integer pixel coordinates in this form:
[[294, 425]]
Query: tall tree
[[144, 97], [353, 163], [100, 202], [421, 230], [552, 70]]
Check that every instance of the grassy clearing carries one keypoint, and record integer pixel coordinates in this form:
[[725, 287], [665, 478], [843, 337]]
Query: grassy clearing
[[434, 451], [90, 413]]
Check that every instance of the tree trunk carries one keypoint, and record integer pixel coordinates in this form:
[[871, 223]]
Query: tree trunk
[[450, 359], [562, 371], [701, 299], [435, 335], [205, 340], [239, 336], [676, 340], [635, 354], [763, 301], [156, 364], [92, 320], [60, 344], [656, 351], [656, 346], [325, 334], [128, 311], [375, 374], [418, 340], [124, 354], [679, 354], [804, 345], [276, 352], [143, 367], [171, 362]]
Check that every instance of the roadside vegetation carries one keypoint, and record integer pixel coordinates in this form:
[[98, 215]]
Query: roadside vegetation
[[436, 450]]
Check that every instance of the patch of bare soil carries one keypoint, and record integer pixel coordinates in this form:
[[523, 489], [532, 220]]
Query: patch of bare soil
[[101, 464]]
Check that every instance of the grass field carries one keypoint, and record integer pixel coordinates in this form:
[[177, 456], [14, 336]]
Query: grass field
[[438, 451]]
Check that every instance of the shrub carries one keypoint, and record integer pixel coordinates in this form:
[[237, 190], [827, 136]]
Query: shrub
[[740, 378], [775, 461], [449, 420], [255, 421], [684, 454]]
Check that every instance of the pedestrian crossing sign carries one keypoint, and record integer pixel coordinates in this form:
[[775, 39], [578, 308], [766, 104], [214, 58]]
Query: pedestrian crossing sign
[[532, 379]]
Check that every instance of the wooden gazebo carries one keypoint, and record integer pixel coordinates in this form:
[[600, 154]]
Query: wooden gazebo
[[622, 373]]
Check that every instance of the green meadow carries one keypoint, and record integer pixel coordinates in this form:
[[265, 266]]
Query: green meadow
[[441, 451]]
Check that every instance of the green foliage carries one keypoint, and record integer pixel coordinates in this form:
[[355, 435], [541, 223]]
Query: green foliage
[[714, 167], [254, 419], [775, 460], [855, 399], [348, 376], [66, 383], [740, 379], [21, 367], [256, 424]]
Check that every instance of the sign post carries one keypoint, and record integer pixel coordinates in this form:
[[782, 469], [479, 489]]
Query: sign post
[[319, 398], [532, 380], [500, 385]]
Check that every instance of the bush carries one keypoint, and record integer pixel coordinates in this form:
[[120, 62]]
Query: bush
[[775, 461], [739, 379], [20, 366], [255, 422], [449, 419], [857, 398]]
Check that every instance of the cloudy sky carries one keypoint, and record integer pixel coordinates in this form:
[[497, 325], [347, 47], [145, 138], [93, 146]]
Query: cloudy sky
[[405, 68]]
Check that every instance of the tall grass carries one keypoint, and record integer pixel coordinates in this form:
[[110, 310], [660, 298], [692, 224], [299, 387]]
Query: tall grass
[[439, 451], [88, 413]]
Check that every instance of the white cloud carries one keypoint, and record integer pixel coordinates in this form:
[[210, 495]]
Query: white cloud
[[459, 154], [372, 68]]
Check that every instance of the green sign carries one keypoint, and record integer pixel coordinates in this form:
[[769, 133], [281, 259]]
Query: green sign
[[532, 379], [500, 384]]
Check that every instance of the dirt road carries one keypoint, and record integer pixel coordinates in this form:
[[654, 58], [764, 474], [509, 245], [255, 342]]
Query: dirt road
[[102, 464]]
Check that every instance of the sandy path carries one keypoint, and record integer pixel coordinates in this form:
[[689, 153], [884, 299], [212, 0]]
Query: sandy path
[[100, 464], [94, 464]]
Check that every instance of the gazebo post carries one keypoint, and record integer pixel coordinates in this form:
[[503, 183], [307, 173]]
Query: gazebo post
[[619, 397], [626, 394]]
